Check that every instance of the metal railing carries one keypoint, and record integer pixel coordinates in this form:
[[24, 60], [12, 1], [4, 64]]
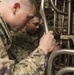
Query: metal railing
[[43, 15], [57, 10], [55, 54], [65, 70]]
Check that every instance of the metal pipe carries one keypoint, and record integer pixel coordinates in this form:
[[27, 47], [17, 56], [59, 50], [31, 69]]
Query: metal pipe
[[69, 20], [55, 15], [43, 15], [57, 10], [65, 70], [55, 54], [63, 15]]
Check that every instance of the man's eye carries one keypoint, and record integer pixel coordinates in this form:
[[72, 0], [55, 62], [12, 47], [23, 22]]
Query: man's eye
[[30, 17], [36, 24]]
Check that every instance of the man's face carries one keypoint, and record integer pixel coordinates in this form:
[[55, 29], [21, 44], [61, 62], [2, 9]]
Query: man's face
[[21, 18], [32, 25]]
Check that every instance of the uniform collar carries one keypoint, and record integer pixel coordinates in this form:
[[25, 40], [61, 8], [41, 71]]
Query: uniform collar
[[5, 29]]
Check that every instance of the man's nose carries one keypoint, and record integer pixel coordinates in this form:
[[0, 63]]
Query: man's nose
[[37, 27]]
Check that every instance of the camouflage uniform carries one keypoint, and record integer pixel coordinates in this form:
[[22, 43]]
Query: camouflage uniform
[[33, 65], [23, 44]]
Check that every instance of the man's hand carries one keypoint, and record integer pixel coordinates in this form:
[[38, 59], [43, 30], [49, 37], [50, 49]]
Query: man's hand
[[56, 46], [47, 42]]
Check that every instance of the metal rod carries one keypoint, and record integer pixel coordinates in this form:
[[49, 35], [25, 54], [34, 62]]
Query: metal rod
[[55, 54], [55, 15], [69, 20], [65, 70], [57, 10], [63, 15], [43, 15], [63, 18]]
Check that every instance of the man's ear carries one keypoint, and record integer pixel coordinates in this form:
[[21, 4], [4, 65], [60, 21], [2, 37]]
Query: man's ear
[[16, 7]]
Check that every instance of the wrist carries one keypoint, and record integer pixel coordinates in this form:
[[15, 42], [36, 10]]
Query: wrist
[[45, 51]]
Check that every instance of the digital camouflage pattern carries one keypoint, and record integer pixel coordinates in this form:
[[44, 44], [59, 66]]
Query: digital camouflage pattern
[[22, 45], [5, 39], [33, 65]]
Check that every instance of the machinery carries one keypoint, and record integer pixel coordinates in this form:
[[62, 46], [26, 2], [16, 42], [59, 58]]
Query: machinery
[[58, 15]]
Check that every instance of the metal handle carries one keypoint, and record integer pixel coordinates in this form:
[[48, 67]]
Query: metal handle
[[65, 70], [43, 15], [55, 54]]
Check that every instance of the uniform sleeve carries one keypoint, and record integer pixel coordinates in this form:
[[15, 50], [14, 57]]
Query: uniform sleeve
[[32, 65], [3, 52], [6, 66]]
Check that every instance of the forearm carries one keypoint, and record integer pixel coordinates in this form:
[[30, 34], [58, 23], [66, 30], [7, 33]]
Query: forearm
[[6, 66]]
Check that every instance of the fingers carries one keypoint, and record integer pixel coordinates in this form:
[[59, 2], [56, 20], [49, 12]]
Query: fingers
[[54, 41], [47, 42], [50, 32]]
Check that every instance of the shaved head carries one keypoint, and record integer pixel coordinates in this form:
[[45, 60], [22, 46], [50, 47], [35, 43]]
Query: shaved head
[[25, 4], [18, 10]]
